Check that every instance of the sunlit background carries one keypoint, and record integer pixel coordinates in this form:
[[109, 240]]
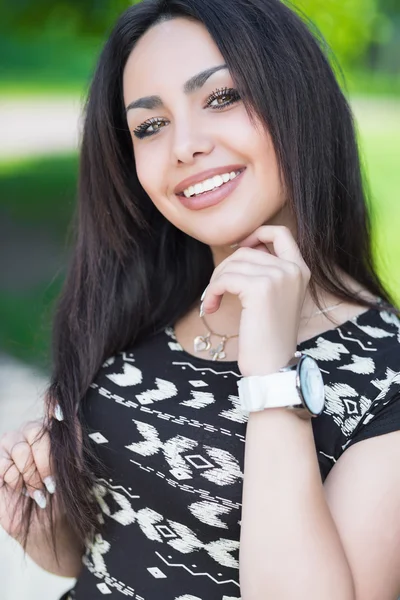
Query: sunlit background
[[48, 49]]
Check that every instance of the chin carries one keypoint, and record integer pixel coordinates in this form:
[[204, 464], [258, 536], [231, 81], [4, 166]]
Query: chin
[[218, 238], [223, 235]]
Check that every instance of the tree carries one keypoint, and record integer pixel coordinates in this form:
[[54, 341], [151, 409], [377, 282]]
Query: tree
[[93, 17], [348, 26]]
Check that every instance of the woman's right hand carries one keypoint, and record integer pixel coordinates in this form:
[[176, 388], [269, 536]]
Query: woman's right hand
[[25, 468]]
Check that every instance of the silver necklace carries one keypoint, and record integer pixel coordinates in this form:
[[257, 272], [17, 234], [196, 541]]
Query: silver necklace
[[202, 343]]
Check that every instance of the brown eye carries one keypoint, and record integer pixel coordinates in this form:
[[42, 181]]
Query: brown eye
[[149, 128], [222, 98]]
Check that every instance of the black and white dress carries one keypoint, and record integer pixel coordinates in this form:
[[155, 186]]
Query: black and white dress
[[169, 429]]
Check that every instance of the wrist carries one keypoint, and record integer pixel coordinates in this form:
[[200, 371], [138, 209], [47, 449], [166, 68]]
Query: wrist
[[269, 366], [298, 387]]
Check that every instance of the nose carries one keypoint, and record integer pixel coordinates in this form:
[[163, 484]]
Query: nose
[[189, 142]]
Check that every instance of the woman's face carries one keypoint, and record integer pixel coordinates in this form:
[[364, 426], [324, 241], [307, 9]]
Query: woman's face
[[200, 130]]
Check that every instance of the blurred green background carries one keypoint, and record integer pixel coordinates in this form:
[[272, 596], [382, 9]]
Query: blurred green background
[[47, 53]]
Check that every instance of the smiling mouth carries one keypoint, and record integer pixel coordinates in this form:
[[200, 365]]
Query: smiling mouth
[[211, 197], [210, 185]]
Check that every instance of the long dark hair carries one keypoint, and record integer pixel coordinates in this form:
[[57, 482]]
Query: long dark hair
[[132, 272]]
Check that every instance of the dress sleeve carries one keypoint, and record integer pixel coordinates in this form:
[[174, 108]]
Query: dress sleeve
[[382, 417]]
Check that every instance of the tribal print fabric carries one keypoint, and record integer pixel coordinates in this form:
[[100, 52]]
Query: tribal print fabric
[[168, 427]]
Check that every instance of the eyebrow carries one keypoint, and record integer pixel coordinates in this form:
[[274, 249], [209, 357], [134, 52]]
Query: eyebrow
[[193, 84]]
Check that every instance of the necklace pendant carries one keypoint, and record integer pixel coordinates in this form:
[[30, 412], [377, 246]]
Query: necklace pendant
[[218, 352], [218, 355], [201, 343]]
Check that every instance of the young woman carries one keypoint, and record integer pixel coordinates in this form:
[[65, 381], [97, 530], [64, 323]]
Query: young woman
[[237, 443]]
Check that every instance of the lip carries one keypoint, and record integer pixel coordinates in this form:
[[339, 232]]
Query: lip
[[199, 177], [214, 197]]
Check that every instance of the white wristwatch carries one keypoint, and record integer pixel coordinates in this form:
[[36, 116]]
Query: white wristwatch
[[299, 386]]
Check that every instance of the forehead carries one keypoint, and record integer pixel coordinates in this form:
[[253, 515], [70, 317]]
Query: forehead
[[169, 53]]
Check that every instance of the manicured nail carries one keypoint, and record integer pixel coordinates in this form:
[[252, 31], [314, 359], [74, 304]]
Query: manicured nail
[[204, 294], [202, 313], [39, 498], [58, 413], [50, 484]]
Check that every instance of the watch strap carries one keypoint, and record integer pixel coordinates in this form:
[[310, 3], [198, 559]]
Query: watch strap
[[277, 390]]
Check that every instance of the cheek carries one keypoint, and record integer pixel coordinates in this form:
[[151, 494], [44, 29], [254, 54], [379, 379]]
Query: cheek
[[267, 163], [254, 143], [148, 173]]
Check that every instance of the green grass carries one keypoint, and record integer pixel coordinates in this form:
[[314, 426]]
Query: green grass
[[43, 191]]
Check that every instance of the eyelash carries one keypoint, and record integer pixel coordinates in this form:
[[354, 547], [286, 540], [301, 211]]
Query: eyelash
[[141, 131]]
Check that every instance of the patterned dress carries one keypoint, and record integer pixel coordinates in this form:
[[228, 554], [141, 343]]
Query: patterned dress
[[169, 429]]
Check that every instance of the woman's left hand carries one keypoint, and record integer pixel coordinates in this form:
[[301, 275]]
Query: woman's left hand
[[271, 289]]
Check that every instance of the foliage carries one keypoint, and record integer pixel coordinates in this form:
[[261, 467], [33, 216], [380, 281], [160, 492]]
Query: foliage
[[341, 22], [79, 16], [26, 323], [349, 27], [51, 181], [57, 41]]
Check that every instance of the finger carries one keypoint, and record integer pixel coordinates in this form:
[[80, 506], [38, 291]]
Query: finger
[[250, 255], [213, 299], [238, 267], [253, 263], [41, 450], [23, 459], [13, 478], [240, 284], [7, 467], [22, 472], [9, 474], [54, 411], [284, 244], [5, 461], [37, 435]]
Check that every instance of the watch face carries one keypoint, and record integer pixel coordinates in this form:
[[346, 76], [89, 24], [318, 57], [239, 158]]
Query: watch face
[[312, 385]]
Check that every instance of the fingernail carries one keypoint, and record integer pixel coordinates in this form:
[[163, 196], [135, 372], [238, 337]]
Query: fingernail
[[234, 246], [202, 310], [204, 294], [39, 498], [50, 484], [58, 413]]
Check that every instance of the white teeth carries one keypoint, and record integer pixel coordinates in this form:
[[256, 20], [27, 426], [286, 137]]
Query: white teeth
[[218, 181], [209, 184]]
